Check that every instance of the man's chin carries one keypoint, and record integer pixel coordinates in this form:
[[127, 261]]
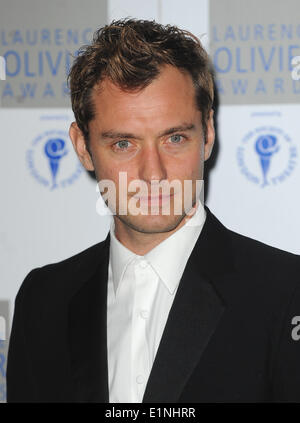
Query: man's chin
[[150, 223]]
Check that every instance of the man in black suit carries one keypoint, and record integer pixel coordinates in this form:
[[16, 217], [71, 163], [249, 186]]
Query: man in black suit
[[170, 307]]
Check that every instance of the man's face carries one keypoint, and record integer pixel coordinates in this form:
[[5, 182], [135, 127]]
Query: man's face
[[154, 134]]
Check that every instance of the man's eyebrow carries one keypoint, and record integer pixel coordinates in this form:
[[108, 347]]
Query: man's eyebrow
[[183, 127], [115, 135]]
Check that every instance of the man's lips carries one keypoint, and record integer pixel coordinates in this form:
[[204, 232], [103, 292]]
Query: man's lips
[[150, 198]]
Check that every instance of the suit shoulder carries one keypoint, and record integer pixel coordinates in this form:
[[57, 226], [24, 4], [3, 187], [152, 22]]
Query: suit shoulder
[[250, 248], [87, 255], [267, 265], [62, 276]]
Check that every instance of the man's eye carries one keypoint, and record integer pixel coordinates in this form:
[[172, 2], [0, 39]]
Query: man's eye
[[122, 145], [176, 138]]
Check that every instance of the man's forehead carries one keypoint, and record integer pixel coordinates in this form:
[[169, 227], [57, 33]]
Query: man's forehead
[[163, 105], [168, 74], [107, 88]]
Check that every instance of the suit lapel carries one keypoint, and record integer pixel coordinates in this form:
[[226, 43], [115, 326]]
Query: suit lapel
[[87, 330], [193, 318], [194, 315]]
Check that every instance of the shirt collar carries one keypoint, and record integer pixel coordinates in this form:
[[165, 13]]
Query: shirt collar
[[168, 259], [120, 257]]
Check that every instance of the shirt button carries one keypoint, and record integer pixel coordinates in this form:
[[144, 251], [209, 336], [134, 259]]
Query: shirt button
[[143, 264], [140, 379], [144, 314]]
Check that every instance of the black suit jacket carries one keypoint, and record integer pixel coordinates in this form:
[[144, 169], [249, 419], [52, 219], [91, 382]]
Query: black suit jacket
[[228, 337]]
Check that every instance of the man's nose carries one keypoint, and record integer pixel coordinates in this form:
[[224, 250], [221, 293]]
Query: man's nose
[[151, 164]]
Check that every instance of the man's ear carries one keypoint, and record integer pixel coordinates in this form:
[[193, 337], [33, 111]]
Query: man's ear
[[79, 145], [210, 135]]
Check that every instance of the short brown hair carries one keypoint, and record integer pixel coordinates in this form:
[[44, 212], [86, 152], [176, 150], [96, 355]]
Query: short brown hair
[[130, 53]]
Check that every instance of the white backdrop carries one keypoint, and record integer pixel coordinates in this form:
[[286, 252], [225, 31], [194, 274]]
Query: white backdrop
[[40, 225]]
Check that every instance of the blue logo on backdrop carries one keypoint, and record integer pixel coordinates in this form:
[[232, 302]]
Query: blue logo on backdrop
[[55, 149], [267, 156], [266, 146], [51, 162]]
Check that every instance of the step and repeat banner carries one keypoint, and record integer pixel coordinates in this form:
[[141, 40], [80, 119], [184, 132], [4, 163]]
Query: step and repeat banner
[[48, 207], [48, 201], [255, 184]]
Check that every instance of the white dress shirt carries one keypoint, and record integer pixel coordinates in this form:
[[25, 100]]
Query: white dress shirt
[[141, 290]]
